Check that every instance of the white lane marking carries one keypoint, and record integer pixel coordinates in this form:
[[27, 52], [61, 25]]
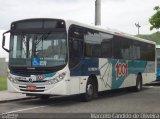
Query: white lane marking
[[20, 110]]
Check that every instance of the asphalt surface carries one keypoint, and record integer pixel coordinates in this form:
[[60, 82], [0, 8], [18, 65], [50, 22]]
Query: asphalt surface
[[118, 101]]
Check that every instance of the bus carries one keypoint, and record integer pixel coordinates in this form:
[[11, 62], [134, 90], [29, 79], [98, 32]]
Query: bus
[[158, 62], [64, 57]]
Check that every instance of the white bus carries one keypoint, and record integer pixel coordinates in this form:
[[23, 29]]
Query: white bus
[[64, 57]]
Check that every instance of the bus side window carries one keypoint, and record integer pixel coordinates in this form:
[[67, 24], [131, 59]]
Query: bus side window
[[106, 49], [75, 46], [106, 45], [76, 52], [117, 46], [92, 43]]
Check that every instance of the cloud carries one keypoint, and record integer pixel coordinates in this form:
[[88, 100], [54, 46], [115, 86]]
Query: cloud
[[20, 9], [119, 14], [114, 1], [123, 15]]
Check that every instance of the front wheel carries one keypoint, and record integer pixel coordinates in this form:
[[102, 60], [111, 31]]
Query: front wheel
[[91, 91]]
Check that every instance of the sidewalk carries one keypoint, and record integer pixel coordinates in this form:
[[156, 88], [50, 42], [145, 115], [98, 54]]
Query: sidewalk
[[6, 96]]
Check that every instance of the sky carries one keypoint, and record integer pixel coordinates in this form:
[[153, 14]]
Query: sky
[[115, 14]]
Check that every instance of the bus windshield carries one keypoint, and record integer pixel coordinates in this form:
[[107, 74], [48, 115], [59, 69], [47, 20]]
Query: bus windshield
[[38, 50]]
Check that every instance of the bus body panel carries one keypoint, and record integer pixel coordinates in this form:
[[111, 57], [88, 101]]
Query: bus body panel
[[158, 74], [105, 67], [52, 90], [74, 85], [61, 88]]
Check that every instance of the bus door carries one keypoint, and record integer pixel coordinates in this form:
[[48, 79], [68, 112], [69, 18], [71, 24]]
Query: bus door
[[76, 44]]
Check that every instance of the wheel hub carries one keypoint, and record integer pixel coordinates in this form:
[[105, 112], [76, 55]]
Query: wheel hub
[[90, 89]]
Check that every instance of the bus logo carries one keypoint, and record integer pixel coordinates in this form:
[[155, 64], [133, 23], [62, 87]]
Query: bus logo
[[40, 77], [121, 70]]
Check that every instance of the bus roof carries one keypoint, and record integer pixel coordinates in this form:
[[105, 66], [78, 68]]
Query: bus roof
[[99, 28]]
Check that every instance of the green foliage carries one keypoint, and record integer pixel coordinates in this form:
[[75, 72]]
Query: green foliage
[[153, 37], [155, 19], [3, 83]]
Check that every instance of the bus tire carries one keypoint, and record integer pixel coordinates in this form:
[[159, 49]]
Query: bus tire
[[91, 91], [139, 83]]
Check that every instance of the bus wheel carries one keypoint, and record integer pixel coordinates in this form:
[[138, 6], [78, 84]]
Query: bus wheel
[[44, 97], [90, 91], [139, 83]]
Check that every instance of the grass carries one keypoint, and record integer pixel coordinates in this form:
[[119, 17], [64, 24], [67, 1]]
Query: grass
[[3, 83], [153, 37]]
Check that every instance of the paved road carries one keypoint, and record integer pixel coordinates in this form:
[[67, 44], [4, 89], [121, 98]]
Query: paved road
[[119, 101]]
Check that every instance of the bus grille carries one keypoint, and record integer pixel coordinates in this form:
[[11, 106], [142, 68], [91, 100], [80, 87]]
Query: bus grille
[[38, 81], [38, 89]]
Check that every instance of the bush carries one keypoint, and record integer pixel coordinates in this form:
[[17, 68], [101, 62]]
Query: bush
[[3, 83]]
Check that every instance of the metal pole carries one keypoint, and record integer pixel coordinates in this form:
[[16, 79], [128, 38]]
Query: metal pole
[[138, 26], [98, 12]]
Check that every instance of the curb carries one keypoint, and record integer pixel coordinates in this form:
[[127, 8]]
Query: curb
[[18, 99]]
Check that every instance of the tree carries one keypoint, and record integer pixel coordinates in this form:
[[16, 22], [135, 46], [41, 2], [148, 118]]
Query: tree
[[155, 19]]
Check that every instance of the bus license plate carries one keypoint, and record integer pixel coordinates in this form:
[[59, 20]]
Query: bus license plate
[[31, 88]]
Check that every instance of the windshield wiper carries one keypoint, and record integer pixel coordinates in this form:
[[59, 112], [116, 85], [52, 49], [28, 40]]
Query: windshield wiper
[[43, 37]]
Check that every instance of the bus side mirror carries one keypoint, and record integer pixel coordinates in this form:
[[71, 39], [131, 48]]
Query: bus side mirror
[[3, 42]]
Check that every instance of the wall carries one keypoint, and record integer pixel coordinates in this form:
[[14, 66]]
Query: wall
[[3, 67]]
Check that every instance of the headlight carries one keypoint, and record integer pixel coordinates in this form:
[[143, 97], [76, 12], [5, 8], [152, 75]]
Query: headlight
[[57, 79], [62, 75], [12, 79]]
